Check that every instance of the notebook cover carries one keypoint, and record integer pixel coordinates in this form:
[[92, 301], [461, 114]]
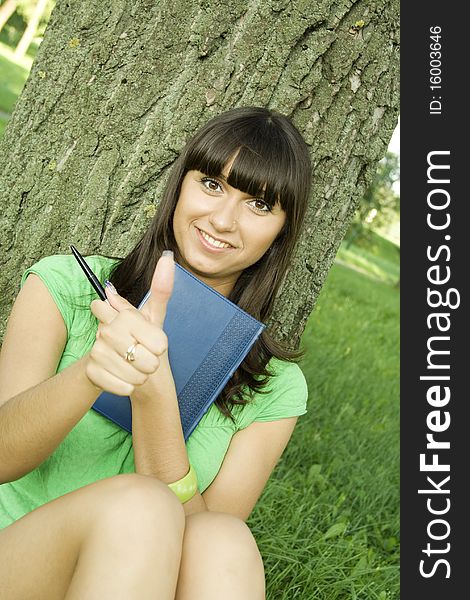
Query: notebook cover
[[208, 337]]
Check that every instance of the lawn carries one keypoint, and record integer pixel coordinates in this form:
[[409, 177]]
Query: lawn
[[328, 521], [375, 256]]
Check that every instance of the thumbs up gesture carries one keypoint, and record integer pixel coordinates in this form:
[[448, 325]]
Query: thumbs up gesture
[[130, 343]]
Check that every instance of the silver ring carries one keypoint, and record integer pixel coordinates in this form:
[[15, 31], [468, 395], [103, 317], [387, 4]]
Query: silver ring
[[130, 353]]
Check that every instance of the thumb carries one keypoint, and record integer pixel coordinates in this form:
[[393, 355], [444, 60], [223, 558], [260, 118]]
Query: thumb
[[161, 289]]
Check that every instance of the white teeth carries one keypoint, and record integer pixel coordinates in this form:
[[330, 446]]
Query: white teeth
[[213, 242]]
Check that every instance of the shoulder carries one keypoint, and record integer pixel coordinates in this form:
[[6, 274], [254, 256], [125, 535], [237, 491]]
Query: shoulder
[[285, 395], [62, 272], [287, 385], [285, 372], [66, 282]]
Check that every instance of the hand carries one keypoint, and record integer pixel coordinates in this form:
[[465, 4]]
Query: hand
[[121, 325]]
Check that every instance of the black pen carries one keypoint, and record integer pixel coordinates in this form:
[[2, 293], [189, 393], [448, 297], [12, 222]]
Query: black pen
[[90, 275]]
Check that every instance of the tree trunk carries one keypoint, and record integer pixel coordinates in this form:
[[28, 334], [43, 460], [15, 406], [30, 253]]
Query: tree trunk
[[30, 30], [6, 10], [117, 88]]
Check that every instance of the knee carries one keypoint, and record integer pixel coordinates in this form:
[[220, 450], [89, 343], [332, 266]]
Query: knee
[[225, 538], [137, 506]]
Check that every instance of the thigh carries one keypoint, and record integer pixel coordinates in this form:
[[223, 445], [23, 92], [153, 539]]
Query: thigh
[[220, 559], [39, 552]]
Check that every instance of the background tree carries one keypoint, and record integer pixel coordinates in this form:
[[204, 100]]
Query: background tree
[[380, 205], [35, 12], [30, 20], [7, 8], [117, 88]]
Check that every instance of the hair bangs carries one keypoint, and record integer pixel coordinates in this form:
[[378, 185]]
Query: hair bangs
[[262, 168], [262, 176], [212, 152]]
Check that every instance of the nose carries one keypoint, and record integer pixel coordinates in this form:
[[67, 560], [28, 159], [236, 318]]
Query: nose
[[225, 215]]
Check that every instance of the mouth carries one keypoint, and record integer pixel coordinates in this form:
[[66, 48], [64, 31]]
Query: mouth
[[212, 243]]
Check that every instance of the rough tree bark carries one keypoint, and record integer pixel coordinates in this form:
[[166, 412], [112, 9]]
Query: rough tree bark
[[117, 88]]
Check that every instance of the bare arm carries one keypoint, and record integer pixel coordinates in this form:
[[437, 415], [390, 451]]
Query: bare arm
[[251, 457], [37, 407], [157, 434]]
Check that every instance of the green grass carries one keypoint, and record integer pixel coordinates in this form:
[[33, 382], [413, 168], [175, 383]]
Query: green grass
[[13, 75], [378, 257], [328, 522]]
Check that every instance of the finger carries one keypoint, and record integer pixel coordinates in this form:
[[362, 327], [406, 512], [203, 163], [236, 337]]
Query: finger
[[142, 359], [117, 365], [149, 335], [145, 361], [161, 289], [103, 311], [107, 381], [132, 326], [117, 301]]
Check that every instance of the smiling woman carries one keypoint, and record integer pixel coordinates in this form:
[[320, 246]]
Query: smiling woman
[[220, 231], [83, 495], [257, 153], [239, 157]]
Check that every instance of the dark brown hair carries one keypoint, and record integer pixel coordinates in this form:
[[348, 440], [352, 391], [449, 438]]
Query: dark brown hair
[[271, 155]]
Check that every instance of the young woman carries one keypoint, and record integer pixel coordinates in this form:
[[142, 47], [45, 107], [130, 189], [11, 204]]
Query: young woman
[[90, 511]]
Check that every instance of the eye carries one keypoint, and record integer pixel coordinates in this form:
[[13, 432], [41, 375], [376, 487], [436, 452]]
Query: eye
[[212, 185], [259, 206]]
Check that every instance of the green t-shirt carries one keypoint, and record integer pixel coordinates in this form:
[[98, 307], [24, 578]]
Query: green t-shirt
[[96, 447]]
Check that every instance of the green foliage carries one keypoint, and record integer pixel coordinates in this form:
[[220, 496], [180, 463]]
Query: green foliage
[[17, 23], [13, 76], [380, 204], [328, 522], [26, 7], [12, 30], [374, 256]]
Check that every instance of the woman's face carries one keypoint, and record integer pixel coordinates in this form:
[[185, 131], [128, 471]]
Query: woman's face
[[220, 231]]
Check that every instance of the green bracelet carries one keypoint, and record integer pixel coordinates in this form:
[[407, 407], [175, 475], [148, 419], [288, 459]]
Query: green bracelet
[[186, 487]]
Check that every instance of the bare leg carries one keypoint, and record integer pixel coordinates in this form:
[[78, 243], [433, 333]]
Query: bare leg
[[117, 538], [220, 560]]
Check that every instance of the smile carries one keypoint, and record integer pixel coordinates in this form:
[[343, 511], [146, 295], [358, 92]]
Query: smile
[[211, 242]]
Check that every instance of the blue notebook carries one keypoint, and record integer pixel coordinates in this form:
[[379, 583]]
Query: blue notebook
[[208, 337]]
